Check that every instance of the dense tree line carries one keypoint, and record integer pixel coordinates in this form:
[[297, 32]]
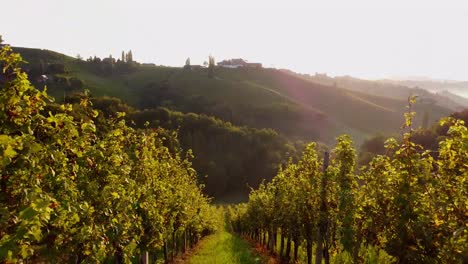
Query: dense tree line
[[233, 158], [72, 193], [110, 65], [404, 206], [228, 158]]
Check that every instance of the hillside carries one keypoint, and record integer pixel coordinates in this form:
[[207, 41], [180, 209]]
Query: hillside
[[431, 92], [455, 90], [455, 98], [261, 98]]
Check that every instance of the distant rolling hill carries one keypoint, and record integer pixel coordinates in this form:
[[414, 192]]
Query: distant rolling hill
[[457, 91], [463, 101], [264, 98], [429, 91]]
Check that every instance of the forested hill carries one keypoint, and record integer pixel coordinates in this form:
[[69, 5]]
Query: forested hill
[[260, 98]]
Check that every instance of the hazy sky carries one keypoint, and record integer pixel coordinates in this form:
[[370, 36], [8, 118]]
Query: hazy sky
[[369, 39]]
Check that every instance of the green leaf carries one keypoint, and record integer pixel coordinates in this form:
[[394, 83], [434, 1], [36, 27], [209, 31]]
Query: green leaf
[[28, 214]]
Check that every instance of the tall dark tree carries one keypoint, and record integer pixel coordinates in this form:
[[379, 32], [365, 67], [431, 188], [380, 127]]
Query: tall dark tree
[[211, 65], [129, 57], [187, 63], [123, 56], [1, 39], [425, 122]]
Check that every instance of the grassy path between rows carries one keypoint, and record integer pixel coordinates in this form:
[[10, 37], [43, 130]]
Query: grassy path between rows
[[224, 247]]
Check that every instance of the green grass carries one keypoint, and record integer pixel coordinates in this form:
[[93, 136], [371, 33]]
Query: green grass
[[224, 247], [102, 85]]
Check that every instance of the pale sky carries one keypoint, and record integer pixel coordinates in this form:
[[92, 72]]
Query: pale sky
[[365, 38]]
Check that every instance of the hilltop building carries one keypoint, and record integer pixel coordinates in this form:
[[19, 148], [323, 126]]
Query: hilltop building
[[238, 63]]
